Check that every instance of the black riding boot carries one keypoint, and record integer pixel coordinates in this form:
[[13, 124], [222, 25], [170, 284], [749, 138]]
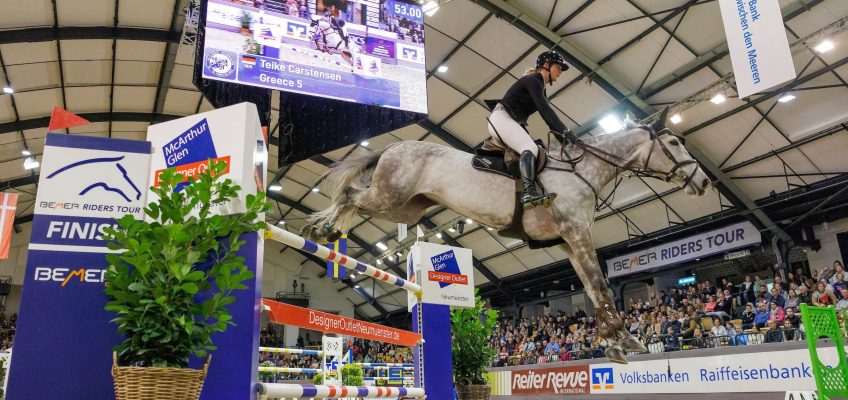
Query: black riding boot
[[531, 198]]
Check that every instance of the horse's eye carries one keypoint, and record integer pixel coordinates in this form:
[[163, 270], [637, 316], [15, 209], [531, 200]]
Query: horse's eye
[[674, 142]]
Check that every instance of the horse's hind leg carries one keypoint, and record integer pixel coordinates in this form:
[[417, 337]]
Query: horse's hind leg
[[329, 224]]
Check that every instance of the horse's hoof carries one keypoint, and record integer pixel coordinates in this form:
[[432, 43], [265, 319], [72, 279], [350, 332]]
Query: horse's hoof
[[616, 354], [633, 345], [333, 236]]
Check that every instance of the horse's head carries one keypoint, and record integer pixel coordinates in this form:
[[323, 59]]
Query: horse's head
[[666, 158]]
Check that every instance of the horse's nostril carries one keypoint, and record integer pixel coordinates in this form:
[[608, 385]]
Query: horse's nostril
[[705, 183]]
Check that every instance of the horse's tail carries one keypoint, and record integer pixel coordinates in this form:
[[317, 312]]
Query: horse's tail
[[344, 179]]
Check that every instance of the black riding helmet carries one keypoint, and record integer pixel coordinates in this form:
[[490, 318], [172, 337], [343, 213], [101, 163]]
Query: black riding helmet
[[551, 57]]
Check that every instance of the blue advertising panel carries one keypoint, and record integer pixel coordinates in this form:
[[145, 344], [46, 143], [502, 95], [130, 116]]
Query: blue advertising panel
[[63, 332], [405, 10]]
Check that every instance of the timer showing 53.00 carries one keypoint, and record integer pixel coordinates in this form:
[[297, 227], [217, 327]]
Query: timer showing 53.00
[[405, 10]]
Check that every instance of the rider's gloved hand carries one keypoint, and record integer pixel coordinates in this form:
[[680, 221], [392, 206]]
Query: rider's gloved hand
[[569, 136]]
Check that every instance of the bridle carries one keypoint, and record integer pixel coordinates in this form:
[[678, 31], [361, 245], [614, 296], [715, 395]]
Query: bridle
[[621, 164]]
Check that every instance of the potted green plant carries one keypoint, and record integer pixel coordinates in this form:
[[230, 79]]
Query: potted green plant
[[351, 376], [471, 329], [171, 280], [246, 19]]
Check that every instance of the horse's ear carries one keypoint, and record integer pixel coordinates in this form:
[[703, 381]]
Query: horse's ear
[[659, 124]]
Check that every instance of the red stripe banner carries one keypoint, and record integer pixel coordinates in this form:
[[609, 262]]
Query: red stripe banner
[[286, 314]]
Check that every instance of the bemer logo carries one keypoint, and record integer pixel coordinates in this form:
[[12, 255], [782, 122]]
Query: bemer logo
[[602, 379], [65, 275]]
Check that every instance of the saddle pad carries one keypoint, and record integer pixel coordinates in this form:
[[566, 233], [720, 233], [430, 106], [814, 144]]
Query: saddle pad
[[486, 162]]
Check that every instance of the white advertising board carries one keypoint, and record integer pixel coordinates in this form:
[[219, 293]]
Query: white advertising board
[[789, 370], [716, 241], [445, 273], [758, 46], [230, 134]]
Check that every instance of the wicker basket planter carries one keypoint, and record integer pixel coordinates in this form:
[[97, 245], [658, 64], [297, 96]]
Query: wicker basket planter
[[150, 383], [473, 392]]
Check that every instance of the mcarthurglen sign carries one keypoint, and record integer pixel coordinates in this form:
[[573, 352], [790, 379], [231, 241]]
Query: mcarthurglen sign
[[720, 240]]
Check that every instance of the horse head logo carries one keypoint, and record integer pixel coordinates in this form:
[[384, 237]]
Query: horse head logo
[[106, 173]]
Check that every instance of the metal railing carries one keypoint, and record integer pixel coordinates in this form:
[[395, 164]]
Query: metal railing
[[657, 344]]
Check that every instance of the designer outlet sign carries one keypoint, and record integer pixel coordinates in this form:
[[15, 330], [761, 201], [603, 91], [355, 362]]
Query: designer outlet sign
[[720, 240], [757, 42], [445, 273]]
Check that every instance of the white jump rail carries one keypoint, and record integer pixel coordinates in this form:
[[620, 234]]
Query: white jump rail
[[293, 240], [363, 364], [291, 351], [289, 390]]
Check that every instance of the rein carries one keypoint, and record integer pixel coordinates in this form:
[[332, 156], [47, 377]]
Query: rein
[[620, 164]]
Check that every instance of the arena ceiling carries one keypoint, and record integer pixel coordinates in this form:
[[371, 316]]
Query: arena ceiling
[[120, 64]]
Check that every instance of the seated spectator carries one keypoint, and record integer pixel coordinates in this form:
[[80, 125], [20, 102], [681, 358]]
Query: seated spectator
[[697, 340], [763, 292], [793, 318], [804, 296], [552, 347], [718, 328], [762, 316], [793, 301], [842, 305], [775, 296], [823, 297], [790, 333], [838, 284], [692, 323], [837, 269], [711, 305], [777, 314], [754, 336], [774, 335], [671, 340], [748, 316]]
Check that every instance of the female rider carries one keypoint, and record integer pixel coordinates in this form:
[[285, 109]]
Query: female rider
[[509, 118]]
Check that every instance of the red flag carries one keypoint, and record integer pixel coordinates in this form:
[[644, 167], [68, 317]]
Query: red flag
[[61, 118], [8, 205]]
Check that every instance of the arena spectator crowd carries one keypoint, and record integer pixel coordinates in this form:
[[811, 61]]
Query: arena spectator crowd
[[703, 315]]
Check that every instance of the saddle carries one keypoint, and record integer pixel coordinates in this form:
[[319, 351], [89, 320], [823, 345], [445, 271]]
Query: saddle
[[494, 157]]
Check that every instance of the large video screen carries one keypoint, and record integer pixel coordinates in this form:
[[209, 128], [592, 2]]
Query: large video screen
[[365, 51]]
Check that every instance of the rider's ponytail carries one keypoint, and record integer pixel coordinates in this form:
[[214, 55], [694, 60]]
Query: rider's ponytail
[[530, 71]]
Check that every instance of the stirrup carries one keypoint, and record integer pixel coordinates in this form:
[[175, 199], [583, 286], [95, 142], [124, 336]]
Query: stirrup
[[538, 200]]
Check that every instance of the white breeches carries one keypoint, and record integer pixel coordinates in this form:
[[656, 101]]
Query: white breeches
[[511, 133]]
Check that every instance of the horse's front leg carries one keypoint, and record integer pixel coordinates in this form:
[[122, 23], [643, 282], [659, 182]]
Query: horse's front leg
[[581, 253]]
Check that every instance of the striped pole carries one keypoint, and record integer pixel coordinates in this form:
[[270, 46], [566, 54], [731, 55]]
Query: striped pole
[[290, 370], [288, 390], [290, 239], [384, 364], [317, 353], [371, 378]]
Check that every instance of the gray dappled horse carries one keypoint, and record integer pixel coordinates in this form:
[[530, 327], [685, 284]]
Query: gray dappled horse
[[400, 182]]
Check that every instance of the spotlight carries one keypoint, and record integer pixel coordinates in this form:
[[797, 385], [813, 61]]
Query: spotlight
[[825, 46], [786, 98], [8, 90], [399, 254], [391, 258], [281, 222], [430, 8], [382, 246], [274, 187], [676, 119], [356, 287], [31, 163], [26, 152], [442, 69], [315, 189], [469, 221], [451, 230], [489, 228], [379, 262], [364, 143], [611, 124], [439, 235], [718, 99]]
